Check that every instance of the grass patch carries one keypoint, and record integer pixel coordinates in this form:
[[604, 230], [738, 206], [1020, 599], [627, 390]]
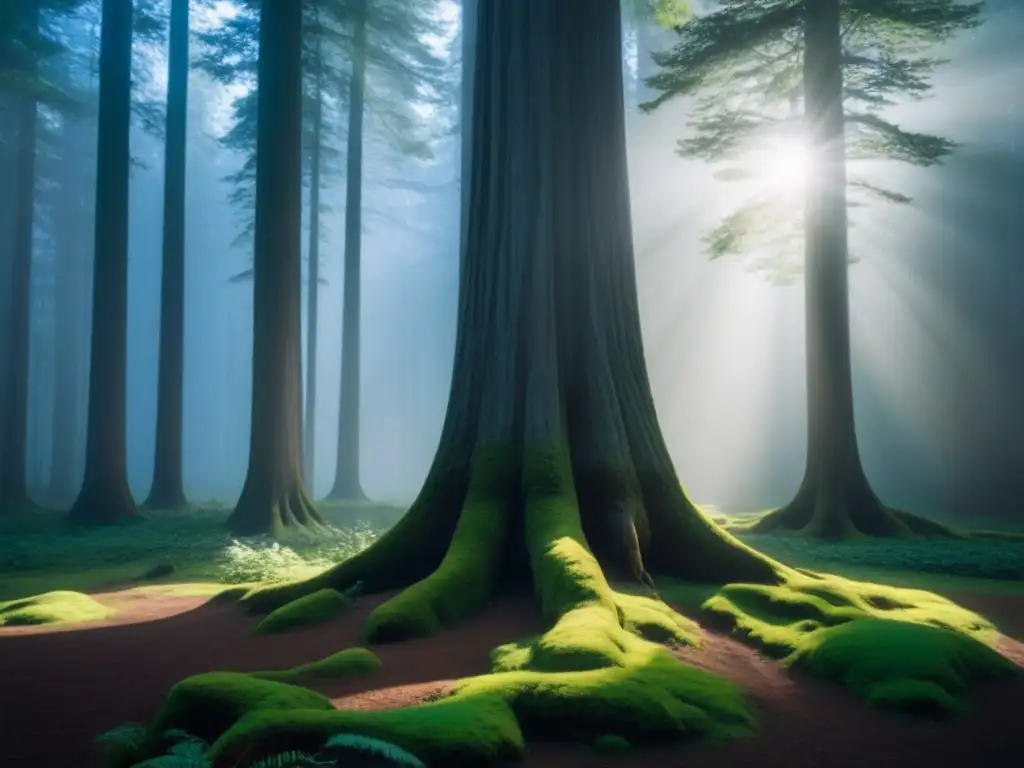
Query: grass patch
[[322, 605], [52, 608]]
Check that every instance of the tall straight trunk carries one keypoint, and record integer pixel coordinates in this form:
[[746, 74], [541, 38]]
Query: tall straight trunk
[[274, 494], [835, 499], [14, 438], [551, 449], [346, 471], [167, 491], [313, 286], [70, 258], [105, 496]]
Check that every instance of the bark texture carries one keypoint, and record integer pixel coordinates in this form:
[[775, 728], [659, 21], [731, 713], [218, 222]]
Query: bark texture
[[167, 491], [274, 495], [346, 472], [313, 282], [835, 499], [551, 427], [14, 437], [105, 496]]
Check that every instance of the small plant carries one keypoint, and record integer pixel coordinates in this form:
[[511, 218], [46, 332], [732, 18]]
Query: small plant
[[244, 564], [342, 747]]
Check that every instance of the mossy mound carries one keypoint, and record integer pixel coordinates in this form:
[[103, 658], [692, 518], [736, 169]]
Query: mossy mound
[[611, 744], [353, 661], [207, 705], [52, 608], [322, 605], [897, 648], [472, 730], [900, 665]]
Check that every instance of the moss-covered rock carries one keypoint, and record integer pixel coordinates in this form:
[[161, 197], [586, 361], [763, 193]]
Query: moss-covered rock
[[353, 661], [52, 608], [322, 605], [207, 705]]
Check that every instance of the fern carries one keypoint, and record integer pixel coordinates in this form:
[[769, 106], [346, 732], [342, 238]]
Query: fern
[[127, 735], [174, 761], [288, 760], [351, 742]]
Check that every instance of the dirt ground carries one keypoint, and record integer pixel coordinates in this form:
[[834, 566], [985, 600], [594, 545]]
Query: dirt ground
[[60, 687]]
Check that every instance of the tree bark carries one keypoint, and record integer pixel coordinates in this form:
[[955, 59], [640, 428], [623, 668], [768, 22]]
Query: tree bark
[[835, 499], [14, 438], [167, 491], [105, 496], [274, 495], [551, 429], [346, 471], [313, 284]]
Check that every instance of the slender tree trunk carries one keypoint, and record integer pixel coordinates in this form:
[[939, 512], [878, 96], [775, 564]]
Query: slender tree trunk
[[167, 491], [14, 438], [835, 499], [346, 472], [105, 496], [313, 285], [551, 434], [63, 475], [274, 494]]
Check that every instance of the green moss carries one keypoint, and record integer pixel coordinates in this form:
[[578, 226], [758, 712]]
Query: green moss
[[464, 731], [901, 665], [52, 608], [322, 605], [612, 744], [896, 648], [207, 705], [353, 661]]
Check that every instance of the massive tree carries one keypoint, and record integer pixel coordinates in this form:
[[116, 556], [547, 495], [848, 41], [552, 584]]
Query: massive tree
[[817, 75], [105, 496], [274, 494], [551, 441], [167, 491]]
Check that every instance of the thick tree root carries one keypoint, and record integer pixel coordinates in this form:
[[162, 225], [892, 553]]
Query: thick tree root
[[863, 516], [257, 515]]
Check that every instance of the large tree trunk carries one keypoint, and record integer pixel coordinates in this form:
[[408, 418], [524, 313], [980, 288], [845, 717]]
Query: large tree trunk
[[167, 491], [14, 438], [346, 472], [274, 494], [835, 499], [551, 437], [105, 496], [313, 284]]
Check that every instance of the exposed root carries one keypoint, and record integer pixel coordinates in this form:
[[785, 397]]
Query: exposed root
[[257, 514]]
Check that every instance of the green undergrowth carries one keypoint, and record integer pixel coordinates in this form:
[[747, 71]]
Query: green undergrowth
[[322, 605], [52, 608], [897, 648], [351, 661]]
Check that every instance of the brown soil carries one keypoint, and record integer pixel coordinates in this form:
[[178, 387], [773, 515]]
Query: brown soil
[[60, 687]]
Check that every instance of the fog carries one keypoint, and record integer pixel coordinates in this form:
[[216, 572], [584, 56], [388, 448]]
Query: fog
[[937, 304]]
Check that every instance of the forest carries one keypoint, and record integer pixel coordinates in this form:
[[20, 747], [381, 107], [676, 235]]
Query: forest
[[475, 383]]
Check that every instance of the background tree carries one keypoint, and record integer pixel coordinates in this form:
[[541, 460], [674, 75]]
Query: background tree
[[814, 76], [167, 491], [105, 496], [274, 494]]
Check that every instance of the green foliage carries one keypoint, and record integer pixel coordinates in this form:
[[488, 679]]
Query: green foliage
[[743, 63], [60, 607], [990, 559], [319, 606]]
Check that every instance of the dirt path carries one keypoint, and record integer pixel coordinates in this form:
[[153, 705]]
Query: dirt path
[[59, 688]]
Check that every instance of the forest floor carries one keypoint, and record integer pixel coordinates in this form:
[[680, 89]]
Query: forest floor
[[61, 686]]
